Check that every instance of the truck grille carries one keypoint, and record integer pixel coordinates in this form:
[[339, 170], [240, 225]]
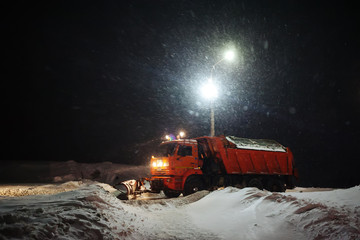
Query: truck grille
[[160, 171], [157, 184]]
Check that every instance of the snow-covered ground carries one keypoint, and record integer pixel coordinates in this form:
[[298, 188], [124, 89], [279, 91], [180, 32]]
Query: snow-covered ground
[[88, 209]]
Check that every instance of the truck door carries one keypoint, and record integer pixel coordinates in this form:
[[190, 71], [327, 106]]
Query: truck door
[[185, 159]]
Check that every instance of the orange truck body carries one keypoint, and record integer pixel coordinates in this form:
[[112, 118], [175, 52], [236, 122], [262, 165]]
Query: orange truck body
[[185, 166]]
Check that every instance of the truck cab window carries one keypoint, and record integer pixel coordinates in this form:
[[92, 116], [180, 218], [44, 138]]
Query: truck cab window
[[185, 151], [166, 150]]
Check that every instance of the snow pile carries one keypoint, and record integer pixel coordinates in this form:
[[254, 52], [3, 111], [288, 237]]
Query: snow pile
[[60, 172], [252, 214], [256, 144], [87, 213], [37, 189], [105, 172], [91, 212]]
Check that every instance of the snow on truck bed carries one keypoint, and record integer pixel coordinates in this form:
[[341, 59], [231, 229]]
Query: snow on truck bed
[[256, 144], [88, 211]]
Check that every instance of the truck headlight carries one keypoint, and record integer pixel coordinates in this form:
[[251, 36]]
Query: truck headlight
[[160, 163]]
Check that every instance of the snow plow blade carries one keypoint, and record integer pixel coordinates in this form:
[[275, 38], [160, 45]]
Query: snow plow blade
[[131, 188]]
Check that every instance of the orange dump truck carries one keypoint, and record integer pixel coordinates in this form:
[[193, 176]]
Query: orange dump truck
[[189, 165]]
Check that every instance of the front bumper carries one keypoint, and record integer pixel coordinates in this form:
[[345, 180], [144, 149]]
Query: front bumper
[[159, 183]]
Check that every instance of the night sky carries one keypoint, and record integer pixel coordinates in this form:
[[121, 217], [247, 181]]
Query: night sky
[[96, 81]]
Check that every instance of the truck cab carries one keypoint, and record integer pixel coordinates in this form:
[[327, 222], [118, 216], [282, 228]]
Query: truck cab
[[172, 163]]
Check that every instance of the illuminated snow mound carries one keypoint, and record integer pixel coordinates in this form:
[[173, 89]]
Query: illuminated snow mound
[[253, 214], [256, 144], [92, 212]]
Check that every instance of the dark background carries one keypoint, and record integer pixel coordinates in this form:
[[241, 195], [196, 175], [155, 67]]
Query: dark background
[[96, 81]]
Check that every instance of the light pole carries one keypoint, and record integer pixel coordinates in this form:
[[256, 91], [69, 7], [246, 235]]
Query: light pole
[[209, 90], [229, 56]]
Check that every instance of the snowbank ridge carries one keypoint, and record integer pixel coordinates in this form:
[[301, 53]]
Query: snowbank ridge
[[91, 212]]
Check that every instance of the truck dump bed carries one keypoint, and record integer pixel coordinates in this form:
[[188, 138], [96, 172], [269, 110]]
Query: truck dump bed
[[256, 144], [254, 156]]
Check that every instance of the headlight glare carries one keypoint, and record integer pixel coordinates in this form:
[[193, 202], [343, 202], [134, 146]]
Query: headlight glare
[[159, 163]]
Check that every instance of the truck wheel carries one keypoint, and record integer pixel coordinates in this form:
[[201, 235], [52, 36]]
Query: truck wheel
[[193, 185], [290, 182], [255, 182], [276, 185], [171, 194]]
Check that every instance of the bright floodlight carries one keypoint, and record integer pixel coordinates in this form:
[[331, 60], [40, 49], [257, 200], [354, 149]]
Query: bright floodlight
[[182, 134], [229, 55], [209, 91]]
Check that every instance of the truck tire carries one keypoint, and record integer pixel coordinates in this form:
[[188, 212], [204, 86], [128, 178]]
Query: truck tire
[[171, 194], [290, 183], [255, 182], [192, 185], [276, 185]]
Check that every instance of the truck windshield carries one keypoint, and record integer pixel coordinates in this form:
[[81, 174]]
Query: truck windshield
[[165, 150]]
